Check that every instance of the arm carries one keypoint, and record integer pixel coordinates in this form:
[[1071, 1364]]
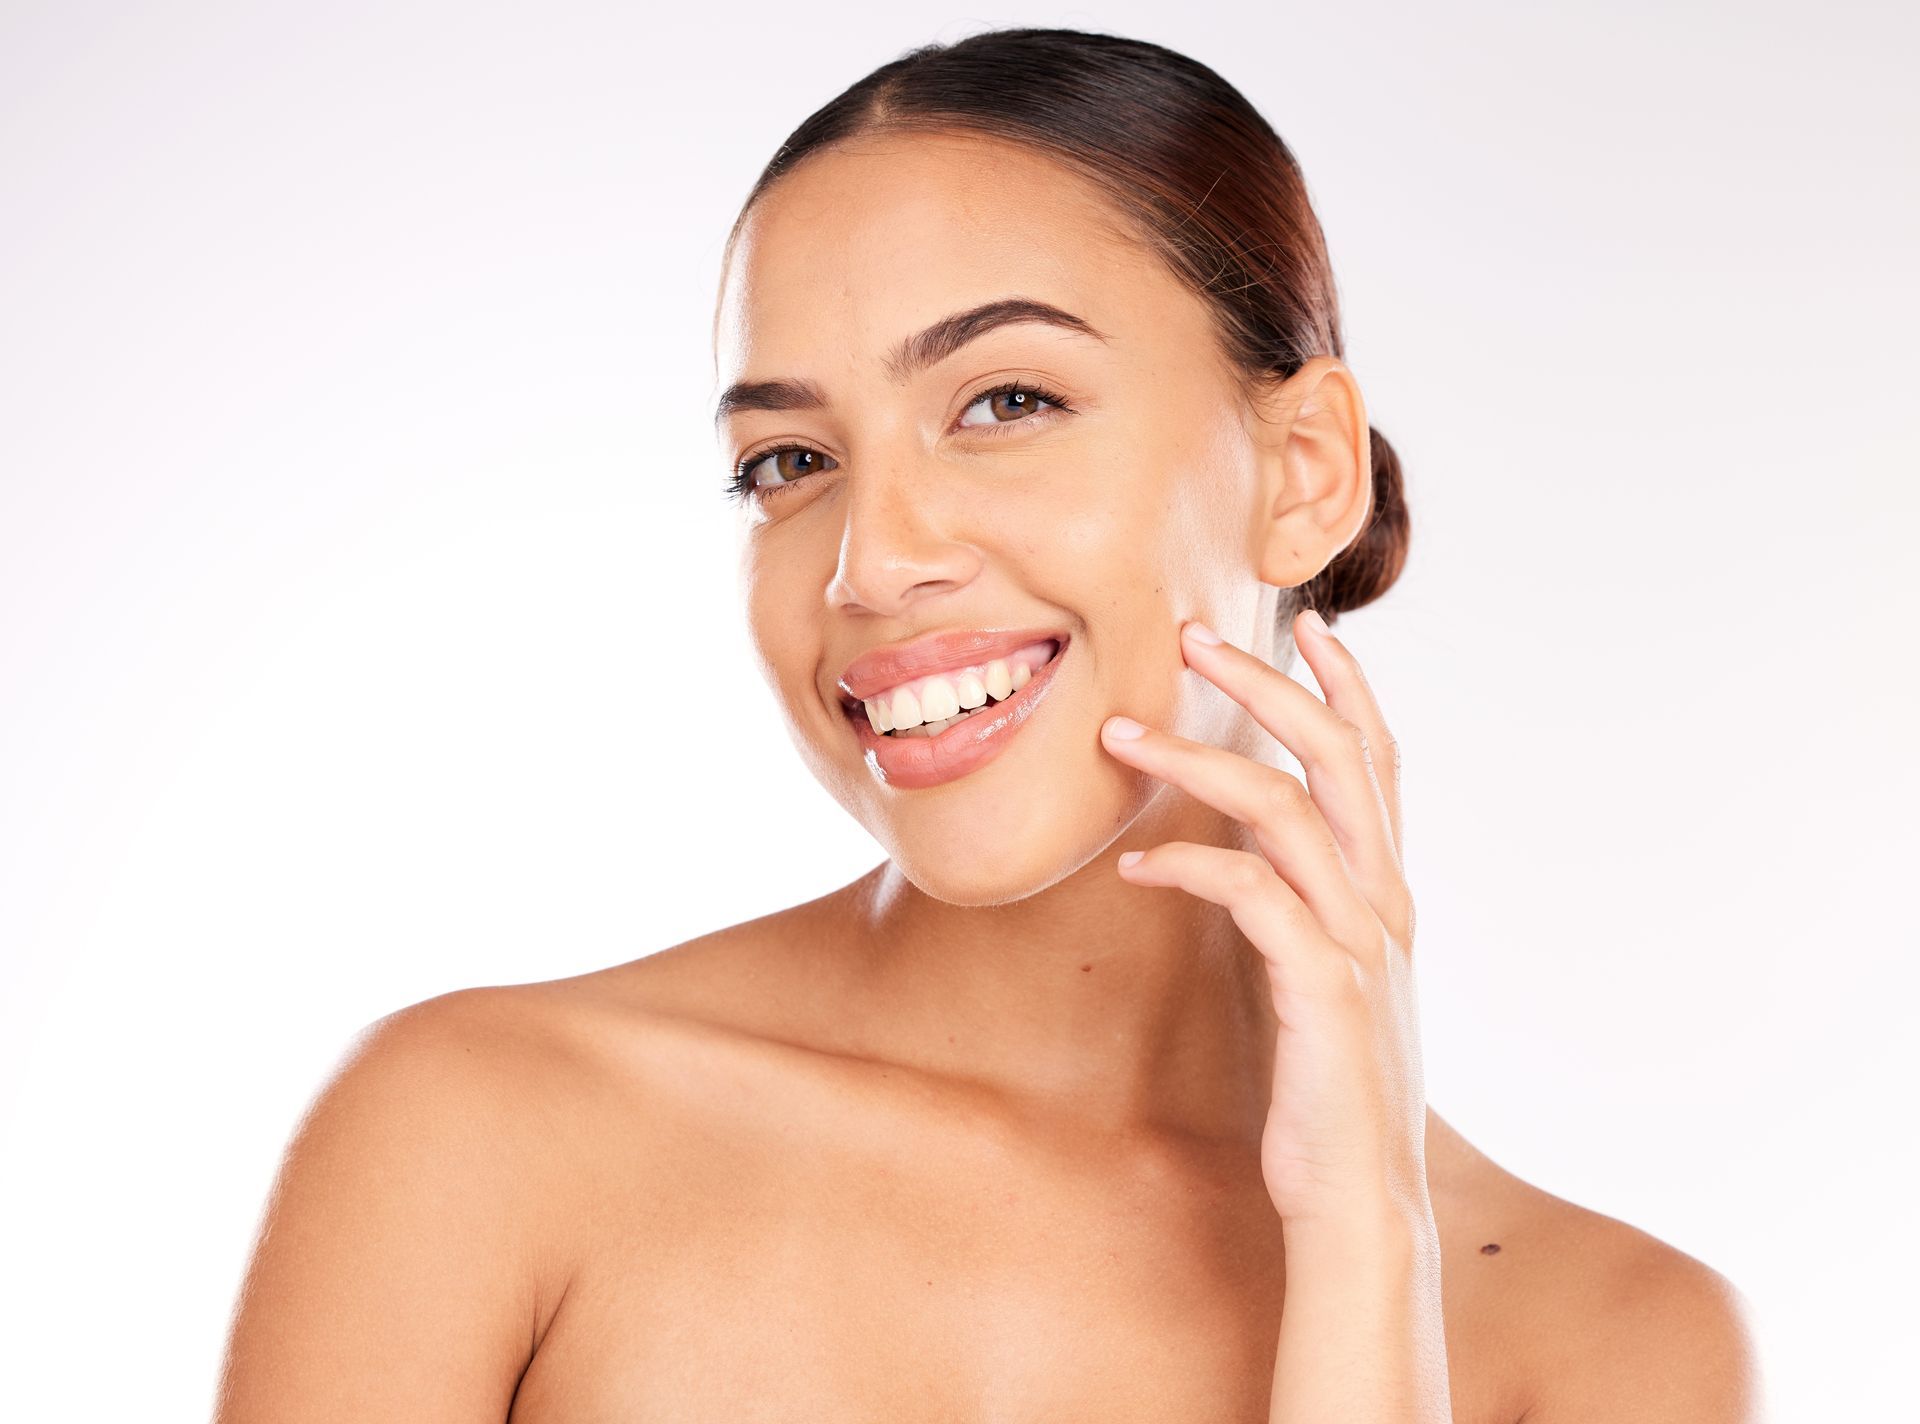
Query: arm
[[1324, 900], [1361, 1334], [394, 1275], [1655, 1337]]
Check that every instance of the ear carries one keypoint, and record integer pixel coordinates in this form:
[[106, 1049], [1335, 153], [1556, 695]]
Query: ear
[[1316, 470]]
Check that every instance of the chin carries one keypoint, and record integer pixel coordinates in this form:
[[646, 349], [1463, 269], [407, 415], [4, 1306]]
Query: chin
[[1003, 832], [977, 882], [1017, 857]]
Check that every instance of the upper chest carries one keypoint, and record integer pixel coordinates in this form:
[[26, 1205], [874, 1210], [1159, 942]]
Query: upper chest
[[771, 1251], [841, 1289]]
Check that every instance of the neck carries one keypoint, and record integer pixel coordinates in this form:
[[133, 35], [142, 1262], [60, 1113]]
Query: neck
[[1112, 1005]]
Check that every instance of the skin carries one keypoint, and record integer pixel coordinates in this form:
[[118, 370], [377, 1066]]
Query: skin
[[999, 1130]]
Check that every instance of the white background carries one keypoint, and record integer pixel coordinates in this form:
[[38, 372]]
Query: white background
[[361, 539]]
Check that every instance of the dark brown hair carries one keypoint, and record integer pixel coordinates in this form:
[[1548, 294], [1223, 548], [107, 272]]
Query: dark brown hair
[[1207, 182]]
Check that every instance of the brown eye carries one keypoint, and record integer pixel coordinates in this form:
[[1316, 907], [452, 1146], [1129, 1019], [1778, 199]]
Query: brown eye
[[790, 463], [1009, 404]]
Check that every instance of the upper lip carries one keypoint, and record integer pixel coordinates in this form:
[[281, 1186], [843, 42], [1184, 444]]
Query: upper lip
[[880, 668]]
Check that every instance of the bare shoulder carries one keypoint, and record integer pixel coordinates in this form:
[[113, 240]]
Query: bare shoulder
[[473, 1070], [1606, 1321], [532, 1064], [437, 1199], [542, 1064], [1636, 1328], [402, 1266], [453, 1093], [511, 1041]]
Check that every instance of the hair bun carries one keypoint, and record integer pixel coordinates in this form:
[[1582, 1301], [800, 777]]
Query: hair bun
[[1367, 567]]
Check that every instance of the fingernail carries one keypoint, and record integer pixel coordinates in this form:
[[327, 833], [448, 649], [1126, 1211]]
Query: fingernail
[[1131, 857], [1124, 728], [1202, 633], [1317, 623]]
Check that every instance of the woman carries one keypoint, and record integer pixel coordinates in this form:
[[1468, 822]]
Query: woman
[[1101, 1096]]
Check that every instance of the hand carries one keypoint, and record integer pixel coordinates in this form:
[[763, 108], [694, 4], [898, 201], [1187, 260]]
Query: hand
[[1326, 903]]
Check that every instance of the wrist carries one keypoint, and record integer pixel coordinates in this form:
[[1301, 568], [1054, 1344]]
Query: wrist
[[1395, 1230]]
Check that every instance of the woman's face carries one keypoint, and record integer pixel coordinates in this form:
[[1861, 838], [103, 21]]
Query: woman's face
[[920, 504]]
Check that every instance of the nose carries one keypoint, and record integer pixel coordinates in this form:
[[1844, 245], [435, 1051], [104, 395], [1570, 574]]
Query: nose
[[898, 544]]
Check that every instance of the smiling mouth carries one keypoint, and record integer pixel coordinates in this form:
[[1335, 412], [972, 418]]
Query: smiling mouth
[[1002, 681]]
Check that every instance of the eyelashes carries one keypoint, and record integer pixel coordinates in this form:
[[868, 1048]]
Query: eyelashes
[[739, 485]]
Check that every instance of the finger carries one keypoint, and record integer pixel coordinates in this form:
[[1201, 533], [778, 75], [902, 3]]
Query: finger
[[1330, 750], [1292, 834], [1349, 693], [1300, 956]]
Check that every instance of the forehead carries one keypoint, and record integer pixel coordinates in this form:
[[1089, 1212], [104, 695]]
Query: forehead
[[874, 238]]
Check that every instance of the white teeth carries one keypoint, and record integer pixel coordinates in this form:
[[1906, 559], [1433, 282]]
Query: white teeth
[[905, 711], [938, 700], [932, 704], [999, 680]]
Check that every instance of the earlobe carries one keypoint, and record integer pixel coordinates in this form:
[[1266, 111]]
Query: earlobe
[[1316, 453]]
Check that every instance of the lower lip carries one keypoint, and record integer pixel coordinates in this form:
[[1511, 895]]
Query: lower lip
[[913, 763]]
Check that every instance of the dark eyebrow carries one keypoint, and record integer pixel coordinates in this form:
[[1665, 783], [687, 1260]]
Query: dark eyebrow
[[916, 353]]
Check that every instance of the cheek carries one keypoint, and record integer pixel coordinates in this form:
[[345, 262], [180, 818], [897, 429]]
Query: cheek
[[782, 620], [1150, 525]]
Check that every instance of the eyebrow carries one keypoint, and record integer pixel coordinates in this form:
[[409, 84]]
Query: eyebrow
[[915, 354]]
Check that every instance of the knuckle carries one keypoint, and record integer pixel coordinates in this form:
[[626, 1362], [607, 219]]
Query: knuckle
[[1344, 979], [1247, 874], [1281, 794], [1355, 734]]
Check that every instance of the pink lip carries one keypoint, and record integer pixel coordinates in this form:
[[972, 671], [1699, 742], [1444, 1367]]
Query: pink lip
[[914, 763], [882, 668]]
